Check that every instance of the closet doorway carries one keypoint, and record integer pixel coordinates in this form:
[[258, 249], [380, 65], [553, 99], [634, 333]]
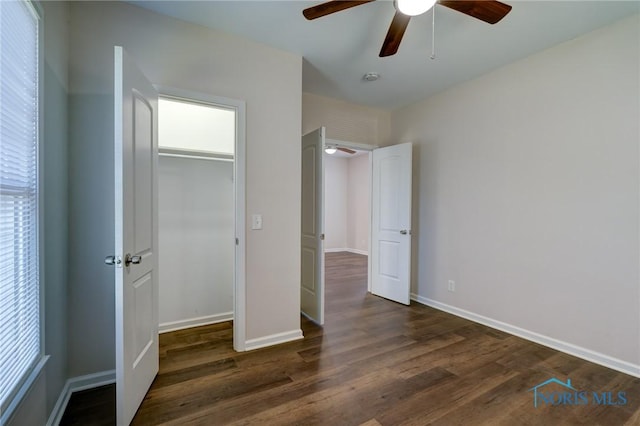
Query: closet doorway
[[200, 187]]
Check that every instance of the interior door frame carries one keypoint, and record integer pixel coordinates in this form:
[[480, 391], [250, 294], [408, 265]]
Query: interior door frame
[[369, 149], [239, 180]]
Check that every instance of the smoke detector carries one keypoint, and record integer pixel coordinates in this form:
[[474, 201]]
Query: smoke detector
[[371, 76]]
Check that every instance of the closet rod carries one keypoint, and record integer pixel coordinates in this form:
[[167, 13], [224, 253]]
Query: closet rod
[[195, 157]]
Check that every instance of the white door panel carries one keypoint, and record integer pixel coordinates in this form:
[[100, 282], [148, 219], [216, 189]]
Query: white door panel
[[391, 223], [143, 171], [136, 147], [312, 227]]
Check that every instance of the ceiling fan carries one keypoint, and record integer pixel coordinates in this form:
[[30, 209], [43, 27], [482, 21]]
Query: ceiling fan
[[331, 149], [490, 11]]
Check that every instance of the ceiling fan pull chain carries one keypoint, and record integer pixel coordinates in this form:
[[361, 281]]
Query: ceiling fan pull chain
[[433, 32]]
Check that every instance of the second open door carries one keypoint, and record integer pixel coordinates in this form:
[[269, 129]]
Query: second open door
[[390, 256], [312, 227]]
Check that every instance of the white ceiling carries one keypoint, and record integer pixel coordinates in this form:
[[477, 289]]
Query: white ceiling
[[339, 49]]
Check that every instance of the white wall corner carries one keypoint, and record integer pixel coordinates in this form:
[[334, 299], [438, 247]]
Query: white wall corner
[[76, 384], [569, 348], [273, 339]]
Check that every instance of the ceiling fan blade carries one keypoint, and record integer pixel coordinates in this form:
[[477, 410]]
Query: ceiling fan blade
[[331, 7], [490, 11], [394, 35], [347, 150]]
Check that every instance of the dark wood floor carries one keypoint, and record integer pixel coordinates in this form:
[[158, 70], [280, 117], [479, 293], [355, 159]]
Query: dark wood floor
[[374, 362]]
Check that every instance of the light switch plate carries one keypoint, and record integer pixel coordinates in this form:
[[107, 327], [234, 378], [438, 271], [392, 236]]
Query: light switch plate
[[256, 221]]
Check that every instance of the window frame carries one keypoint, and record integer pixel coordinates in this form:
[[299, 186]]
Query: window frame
[[23, 388]]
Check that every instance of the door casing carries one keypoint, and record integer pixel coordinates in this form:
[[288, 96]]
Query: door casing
[[239, 276], [370, 149]]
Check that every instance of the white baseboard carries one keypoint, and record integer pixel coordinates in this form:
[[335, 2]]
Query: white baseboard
[[274, 339], [335, 250], [194, 322], [569, 348], [356, 251], [76, 384], [350, 250]]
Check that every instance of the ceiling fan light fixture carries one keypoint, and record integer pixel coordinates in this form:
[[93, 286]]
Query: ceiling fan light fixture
[[330, 150], [414, 7]]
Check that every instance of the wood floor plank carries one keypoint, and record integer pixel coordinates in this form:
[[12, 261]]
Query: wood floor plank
[[494, 405], [428, 406], [173, 401], [243, 406], [373, 363], [581, 373], [634, 420], [543, 358], [372, 422], [94, 407], [318, 407]]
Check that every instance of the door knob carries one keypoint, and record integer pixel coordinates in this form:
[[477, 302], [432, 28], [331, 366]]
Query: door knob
[[128, 260], [403, 232], [112, 260]]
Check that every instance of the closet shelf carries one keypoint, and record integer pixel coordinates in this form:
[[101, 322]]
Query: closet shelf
[[195, 155]]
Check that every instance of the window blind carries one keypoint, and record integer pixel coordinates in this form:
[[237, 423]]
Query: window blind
[[20, 347]]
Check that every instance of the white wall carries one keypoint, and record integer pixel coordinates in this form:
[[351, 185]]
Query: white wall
[[56, 209], [345, 121], [526, 193], [358, 203], [335, 202], [346, 198], [196, 241], [174, 53]]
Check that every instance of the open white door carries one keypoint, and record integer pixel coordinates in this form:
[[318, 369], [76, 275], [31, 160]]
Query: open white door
[[136, 243], [312, 247], [391, 223]]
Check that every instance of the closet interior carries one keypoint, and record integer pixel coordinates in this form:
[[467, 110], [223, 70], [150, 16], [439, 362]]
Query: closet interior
[[196, 213]]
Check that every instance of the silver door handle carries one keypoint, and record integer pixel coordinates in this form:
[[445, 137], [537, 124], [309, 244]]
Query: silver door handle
[[112, 260], [128, 260], [403, 232]]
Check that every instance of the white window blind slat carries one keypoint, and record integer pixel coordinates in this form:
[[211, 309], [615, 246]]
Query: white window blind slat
[[20, 328]]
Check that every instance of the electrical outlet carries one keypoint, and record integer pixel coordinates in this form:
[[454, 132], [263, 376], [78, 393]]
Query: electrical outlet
[[452, 285]]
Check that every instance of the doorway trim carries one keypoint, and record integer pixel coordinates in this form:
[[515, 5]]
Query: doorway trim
[[352, 145], [239, 173], [369, 149]]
